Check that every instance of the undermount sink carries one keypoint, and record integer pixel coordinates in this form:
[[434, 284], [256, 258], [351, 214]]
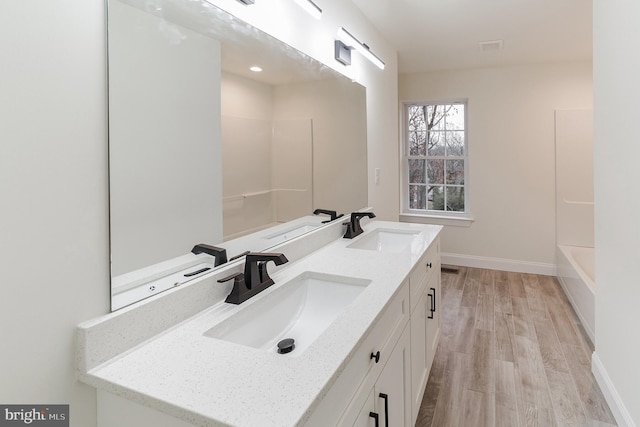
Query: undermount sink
[[384, 240], [300, 309]]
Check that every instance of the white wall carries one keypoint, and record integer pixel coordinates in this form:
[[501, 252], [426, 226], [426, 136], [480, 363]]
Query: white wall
[[338, 111], [292, 174], [260, 155], [247, 112], [53, 191], [246, 153], [574, 178], [617, 228], [53, 176], [511, 154], [165, 167], [242, 97]]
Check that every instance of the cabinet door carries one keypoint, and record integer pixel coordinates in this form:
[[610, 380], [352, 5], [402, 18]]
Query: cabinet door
[[419, 371], [394, 387], [368, 417], [433, 317]]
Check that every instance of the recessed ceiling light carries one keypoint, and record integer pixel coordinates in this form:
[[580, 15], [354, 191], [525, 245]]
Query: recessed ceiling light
[[255, 69]]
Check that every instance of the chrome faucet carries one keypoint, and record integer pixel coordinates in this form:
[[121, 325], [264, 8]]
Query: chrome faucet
[[255, 277], [353, 226]]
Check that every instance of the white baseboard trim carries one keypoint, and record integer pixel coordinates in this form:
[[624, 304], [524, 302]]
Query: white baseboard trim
[[618, 409], [499, 264]]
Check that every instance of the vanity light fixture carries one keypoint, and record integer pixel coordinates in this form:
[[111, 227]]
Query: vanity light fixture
[[311, 8], [349, 41], [342, 53]]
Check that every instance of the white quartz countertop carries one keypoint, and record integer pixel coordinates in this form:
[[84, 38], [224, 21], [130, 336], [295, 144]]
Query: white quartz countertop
[[207, 381]]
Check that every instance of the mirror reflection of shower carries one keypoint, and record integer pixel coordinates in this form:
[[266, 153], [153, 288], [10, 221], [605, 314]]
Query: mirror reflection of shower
[[274, 183]]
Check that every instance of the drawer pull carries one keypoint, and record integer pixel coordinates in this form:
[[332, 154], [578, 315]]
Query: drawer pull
[[375, 356], [429, 265], [375, 418], [432, 298], [386, 408]]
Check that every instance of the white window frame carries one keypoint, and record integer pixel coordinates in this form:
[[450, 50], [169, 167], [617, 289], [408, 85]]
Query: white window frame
[[432, 216]]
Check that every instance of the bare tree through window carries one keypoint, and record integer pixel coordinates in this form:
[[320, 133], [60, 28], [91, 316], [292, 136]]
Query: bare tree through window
[[436, 156]]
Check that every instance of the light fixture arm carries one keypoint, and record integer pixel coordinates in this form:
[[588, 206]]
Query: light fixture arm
[[310, 7], [349, 41]]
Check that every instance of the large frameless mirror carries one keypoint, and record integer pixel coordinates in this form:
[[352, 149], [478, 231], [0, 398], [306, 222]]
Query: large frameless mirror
[[202, 150]]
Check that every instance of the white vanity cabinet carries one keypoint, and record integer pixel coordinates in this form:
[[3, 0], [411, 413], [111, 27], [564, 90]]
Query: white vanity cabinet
[[425, 322], [368, 368], [382, 360], [386, 405], [391, 394]]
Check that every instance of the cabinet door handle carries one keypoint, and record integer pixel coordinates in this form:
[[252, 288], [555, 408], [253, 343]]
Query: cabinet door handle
[[429, 265], [432, 300], [386, 408], [375, 356], [375, 418]]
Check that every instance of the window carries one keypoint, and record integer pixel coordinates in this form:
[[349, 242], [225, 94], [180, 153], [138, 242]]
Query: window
[[435, 159]]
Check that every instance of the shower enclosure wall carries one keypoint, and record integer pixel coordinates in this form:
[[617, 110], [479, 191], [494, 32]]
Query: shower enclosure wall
[[574, 212]]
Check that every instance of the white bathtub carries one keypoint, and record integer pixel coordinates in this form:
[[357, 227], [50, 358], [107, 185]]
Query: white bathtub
[[575, 269]]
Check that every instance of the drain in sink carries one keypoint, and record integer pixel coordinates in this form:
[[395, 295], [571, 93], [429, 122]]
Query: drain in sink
[[286, 345]]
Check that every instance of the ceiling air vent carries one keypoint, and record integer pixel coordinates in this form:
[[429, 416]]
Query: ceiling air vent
[[491, 46]]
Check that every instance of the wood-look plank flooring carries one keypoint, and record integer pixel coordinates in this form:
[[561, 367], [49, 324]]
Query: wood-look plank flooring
[[512, 353]]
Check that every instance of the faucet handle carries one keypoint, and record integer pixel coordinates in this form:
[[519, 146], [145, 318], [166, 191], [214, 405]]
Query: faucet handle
[[240, 255], [239, 288], [237, 276]]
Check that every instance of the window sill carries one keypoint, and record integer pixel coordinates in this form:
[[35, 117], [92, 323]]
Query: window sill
[[455, 221]]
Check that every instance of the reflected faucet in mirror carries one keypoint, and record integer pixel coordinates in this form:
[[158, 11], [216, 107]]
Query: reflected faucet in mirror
[[219, 254], [255, 277], [353, 226], [332, 214]]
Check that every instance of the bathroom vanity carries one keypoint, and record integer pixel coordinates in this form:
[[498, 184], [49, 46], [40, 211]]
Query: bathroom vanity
[[364, 313]]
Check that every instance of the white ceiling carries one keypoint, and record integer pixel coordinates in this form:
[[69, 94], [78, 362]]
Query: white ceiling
[[445, 34]]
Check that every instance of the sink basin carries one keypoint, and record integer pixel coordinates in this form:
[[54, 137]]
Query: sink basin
[[292, 232], [300, 309], [383, 240]]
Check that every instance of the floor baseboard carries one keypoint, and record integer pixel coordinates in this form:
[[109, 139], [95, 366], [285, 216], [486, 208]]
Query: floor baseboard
[[499, 264], [618, 409]]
